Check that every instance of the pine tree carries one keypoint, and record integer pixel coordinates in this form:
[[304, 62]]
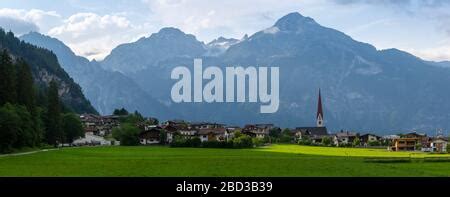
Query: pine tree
[[54, 133], [26, 129], [72, 127], [7, 82], [9, 127], [26, 94], [120, 112]]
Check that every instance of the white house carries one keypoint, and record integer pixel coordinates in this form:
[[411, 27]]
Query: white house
[[439, 145]]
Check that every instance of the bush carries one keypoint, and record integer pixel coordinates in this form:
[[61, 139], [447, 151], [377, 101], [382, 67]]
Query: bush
[[304, 141], [374, 143], [345, 145], [275, 132], [258, 142], [356, 142], [243, 141], [194, 142], [286, 132], [238, 134], [266, 139], [217, 144], [326, 141], [163, 137], [418, 146], [180, 141], [132, 118], [127, 134], [285, 139]]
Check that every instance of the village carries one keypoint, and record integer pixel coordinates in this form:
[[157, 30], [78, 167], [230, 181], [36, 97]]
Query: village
[[98, 130]]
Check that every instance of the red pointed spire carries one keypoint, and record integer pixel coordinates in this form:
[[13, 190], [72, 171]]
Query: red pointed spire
[[319, 107]]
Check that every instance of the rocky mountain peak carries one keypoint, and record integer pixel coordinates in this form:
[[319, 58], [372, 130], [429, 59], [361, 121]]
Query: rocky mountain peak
[[294, 21], [171, 33]]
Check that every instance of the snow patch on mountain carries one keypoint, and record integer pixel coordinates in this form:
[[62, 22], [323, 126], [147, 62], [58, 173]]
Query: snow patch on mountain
[[220, 45], [271, 30], [367, 67]]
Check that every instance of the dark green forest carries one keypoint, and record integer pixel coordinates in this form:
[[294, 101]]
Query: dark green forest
[[33, 112], [44, 67]]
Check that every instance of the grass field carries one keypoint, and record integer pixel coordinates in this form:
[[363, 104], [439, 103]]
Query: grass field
[[275, 160]]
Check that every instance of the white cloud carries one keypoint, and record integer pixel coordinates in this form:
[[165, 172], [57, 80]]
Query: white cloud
[[40, 18], [89, 24], [94, 36], [94, 49], [440, 53], [432, 13], [17, 26], [87, 34]]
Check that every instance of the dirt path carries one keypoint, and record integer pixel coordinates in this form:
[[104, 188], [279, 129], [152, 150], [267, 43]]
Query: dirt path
[[27, 153]]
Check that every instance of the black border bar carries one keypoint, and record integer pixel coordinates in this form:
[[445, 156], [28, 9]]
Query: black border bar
[[167, 185]]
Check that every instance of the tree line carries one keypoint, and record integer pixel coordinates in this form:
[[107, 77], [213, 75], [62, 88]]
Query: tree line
[[128, 132], [29, 116]]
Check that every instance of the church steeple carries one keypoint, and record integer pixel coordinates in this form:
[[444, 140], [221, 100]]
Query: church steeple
[[319, 116]]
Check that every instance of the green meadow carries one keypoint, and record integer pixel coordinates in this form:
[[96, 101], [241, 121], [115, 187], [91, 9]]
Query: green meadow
[[275, 160]]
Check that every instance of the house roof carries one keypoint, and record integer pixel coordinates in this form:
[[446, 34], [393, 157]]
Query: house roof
[[261, 126], [345, 134], [269, 125], [318, 137], [153, 132], [173, 128], [406, 139], [212, 130], [391, 137], [206, 123], [416, 134], [367, 134], [256, 131], [148, 134], [312, 130], [439, 138]]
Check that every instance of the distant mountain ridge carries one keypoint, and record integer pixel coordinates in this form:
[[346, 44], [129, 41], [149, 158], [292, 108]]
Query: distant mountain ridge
[[363, 89], [445, 64], [107, 90]]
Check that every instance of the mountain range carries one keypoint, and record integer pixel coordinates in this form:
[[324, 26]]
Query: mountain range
[[107, 90], [363, 88]]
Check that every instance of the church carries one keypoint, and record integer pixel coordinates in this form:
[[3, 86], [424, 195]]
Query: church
[[317, 132]]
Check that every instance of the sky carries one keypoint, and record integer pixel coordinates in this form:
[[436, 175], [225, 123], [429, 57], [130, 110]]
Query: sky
[[92, 28]]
